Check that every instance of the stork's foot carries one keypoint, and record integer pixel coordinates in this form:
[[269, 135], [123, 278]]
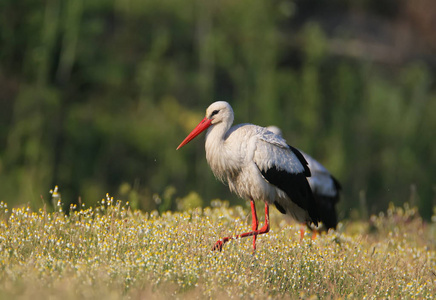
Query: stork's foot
[[265, 228], [219, 244]]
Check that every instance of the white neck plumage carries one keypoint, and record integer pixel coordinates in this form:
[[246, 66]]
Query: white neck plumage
[[217, 155]]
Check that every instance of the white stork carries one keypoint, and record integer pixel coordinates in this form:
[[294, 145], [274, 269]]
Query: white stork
[[325, 188], [257, 165]]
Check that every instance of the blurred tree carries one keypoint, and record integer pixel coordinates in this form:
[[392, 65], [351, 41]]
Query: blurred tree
[[96, 95]]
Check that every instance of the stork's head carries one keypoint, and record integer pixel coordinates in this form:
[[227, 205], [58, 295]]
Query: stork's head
[[217, 112], [275, 130]]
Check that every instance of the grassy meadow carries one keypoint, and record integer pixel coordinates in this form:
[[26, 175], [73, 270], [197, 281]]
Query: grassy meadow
[[113, 252]]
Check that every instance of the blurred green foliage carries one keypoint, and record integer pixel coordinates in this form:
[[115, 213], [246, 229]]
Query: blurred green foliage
[[96, 95]]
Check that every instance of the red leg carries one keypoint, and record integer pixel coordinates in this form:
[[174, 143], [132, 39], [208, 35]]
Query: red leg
[[265, 228], [254, 220]]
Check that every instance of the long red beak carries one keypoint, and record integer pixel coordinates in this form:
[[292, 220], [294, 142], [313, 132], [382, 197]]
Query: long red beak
[[203, 125]]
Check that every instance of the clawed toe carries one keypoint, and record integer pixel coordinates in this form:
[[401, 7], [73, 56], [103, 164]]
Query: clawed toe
[[218, 245]]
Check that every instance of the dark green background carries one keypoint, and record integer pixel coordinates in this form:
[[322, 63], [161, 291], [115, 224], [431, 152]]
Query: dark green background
[[96, 95]]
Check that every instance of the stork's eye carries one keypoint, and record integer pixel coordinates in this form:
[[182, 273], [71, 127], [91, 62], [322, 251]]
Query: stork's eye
[[214, 113]]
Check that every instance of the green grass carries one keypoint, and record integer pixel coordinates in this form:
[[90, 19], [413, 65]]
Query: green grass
[[112, 252]]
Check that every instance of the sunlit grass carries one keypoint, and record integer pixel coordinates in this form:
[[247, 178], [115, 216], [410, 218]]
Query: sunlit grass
[[113, 252]]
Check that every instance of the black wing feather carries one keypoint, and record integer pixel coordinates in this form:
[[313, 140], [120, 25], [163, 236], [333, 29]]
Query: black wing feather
[[302, 160], [326, 206], [337, 184], [297, 188], [327, 211]]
